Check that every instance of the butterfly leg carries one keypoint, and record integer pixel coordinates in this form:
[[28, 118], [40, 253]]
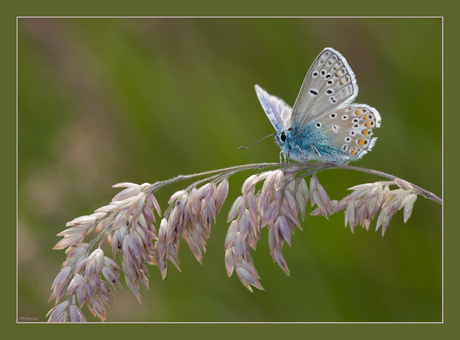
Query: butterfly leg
[[324, 159], [286, 159], [301, 151]]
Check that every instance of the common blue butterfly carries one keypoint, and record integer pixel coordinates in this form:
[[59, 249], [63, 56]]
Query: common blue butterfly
[[323, 125]]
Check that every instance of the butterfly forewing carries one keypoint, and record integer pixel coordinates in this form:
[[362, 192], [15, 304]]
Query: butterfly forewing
[[329, 83], [277, 111]]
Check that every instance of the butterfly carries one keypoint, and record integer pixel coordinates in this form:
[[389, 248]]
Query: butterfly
[[323, 125]]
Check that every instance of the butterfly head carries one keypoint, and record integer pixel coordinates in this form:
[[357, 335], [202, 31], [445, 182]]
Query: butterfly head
[[282, 138]]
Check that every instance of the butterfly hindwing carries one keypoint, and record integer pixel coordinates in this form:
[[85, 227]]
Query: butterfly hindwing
[[348, 129]]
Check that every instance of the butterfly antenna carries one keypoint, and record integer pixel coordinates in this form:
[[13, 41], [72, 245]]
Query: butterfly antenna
[[247, 146]]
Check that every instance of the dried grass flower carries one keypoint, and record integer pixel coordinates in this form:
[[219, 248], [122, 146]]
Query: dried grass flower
[[137, 231]]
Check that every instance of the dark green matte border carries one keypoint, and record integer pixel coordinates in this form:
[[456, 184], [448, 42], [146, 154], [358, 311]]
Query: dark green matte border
[[172, 331]]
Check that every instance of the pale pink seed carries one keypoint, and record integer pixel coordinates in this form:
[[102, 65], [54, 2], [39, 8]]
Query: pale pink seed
[[382, 215], [137, 206], [290, 200], [125, 185], [409, 206], [239, 247], [176, 195], [62, 278], [201, 192], [68, 241], [73, 231], [245, 277], [235, 208], [268, 183], [251, 202], [263, 176], [153, 201], [283, 228], [279, 180], [279, 258], [323, 196], [98, 260], [320, 203], [209, 195], [350, 216], [291, 185], [303, 187], [212, 208], [313, 182], [403, 184], [363, 187], [229, 264], [244, 224], [272, 238], [250, 268], [221, 194], [82, 220], [361, 214], [249, 184], [76, 315], [291, 215], [270, 214], [58, 310], [317, 212], [126, 193]]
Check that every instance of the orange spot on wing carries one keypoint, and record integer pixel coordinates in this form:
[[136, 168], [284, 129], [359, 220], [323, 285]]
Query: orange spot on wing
[[366, 117], [365, 132], [338, 74], [361, 142], [368, 124], [342, 81], [353, 152], [358, 112]]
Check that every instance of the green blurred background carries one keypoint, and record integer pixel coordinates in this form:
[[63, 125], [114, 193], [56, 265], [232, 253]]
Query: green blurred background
[[103, 101]]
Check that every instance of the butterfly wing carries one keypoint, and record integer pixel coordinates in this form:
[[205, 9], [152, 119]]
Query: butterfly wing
[[277, 111], [329, 83], [349, 130]]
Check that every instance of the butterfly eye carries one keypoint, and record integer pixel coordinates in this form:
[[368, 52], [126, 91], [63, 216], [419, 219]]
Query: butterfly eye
[[283, 136]]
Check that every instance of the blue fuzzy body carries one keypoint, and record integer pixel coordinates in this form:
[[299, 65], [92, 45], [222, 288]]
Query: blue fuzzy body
[[315, 145]]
